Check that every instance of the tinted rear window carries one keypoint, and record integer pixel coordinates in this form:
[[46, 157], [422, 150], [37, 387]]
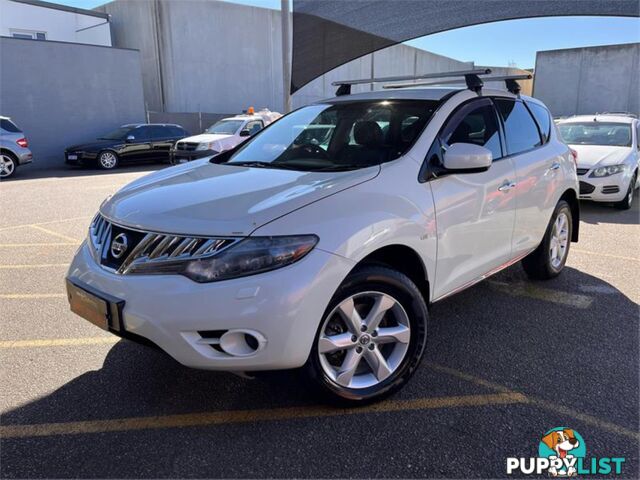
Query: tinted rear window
[[9, 126], [520, 129]]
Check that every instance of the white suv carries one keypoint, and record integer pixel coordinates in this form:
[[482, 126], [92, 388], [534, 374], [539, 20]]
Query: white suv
[[321, 241], [608, 150]]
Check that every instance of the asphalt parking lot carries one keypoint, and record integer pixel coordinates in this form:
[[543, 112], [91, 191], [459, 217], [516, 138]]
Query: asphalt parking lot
[[506, 361]]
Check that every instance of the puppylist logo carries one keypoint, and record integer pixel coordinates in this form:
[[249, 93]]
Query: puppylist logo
[[562, 452]]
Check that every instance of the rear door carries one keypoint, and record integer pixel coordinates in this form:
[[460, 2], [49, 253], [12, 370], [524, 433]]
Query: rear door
[[475, 212], [538, 169], [162, 139]]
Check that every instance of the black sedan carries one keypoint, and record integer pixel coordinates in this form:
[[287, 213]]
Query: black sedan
[[139, 142]]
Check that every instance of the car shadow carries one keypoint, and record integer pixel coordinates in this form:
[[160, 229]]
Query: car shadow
[[596, 213]]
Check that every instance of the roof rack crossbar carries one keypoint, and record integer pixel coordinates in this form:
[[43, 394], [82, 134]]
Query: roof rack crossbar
[[510, 81], [344, 86]]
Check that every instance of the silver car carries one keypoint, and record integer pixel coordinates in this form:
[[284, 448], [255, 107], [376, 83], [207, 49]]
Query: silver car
[[14, 149]]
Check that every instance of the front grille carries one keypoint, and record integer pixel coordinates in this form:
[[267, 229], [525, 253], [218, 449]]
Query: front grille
[[187, 146], [582, 171], [134, 247], [586, 188], [607, 189]]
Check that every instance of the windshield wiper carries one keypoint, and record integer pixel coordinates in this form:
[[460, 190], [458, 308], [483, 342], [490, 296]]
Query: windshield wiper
[[256, 164], [338, 168]]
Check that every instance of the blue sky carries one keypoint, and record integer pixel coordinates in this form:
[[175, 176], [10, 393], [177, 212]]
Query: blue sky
[[501, 43]]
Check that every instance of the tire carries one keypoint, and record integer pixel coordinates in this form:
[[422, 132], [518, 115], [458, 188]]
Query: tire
[[108, 160], [399, 339], [546, 262], [627, 201], [8, 165]]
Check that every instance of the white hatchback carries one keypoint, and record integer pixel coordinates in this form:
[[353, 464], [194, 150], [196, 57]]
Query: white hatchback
[[608, 150], [321, 241]]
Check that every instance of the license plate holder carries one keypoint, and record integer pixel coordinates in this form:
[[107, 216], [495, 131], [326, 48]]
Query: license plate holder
[[72, 157], [104, 311]]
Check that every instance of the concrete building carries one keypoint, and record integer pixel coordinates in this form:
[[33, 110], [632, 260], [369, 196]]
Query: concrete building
[[38, 20], [587, 80], [63, 93]]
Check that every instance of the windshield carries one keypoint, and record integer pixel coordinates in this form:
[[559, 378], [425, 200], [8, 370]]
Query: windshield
[[341, 136], [225, 127], [118, 134], [596, 133]]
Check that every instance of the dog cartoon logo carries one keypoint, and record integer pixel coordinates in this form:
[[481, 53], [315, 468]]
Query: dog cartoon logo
[[564, 444]]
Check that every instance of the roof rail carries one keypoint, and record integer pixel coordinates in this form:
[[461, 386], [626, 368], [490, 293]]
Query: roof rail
[[344, 86], [510, 81]]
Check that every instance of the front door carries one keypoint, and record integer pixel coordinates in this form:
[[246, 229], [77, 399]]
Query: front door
[[475, 212]]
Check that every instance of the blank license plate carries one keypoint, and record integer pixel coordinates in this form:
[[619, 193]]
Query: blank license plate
[[88, 306], [72, 157]]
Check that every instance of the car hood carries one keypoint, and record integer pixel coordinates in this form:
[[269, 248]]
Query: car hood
[[201, 198], [591, 155], [93, 146], [206, 137]]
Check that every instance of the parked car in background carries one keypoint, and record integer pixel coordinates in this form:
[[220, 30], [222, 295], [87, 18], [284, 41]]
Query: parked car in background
[[324, 249], [14, 148], [222, 135], [132, 143], [608, 151]]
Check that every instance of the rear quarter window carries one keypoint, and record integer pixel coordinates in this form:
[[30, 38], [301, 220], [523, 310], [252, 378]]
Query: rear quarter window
[[9, 126]]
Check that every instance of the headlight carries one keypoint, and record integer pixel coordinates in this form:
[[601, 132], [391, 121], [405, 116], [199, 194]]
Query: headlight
[[607, 171], [248, 257], [205, 146]]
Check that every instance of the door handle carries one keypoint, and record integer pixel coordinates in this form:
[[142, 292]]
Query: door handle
[[506, 186], [555, 166]]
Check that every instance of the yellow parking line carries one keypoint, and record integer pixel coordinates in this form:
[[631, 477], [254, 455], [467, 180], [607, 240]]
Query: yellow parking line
[[532, 291], [539, 402], [246, 416], [59, 342], [608, 255], [35, 265], [55, 234], [13, 227], [18, 296], [39, 245]]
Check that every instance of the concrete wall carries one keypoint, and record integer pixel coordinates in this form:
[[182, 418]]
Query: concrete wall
[[588, 80], [65, 93], [222, 57], [57, 25]]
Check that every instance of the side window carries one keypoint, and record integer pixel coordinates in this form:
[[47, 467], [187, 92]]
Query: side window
[[9, 126], [520, 129], [475, 123], [638, 136], [543, 117], [141, 133], [254, 127], [157, 132], [176, 132]]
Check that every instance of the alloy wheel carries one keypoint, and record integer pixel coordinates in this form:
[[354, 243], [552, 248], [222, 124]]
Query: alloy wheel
[[7, 166], [364, 340], [108, 160], [559, 240]]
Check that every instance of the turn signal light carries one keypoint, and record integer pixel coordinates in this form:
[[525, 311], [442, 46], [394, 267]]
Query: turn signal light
[[23, 142]]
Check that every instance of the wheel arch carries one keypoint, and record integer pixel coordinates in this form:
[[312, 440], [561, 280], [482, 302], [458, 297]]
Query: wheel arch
[[571, 198], [7, 151], [405, 260]]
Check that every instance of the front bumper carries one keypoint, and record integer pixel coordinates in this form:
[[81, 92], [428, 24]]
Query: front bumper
[[604, 189], [284, 306], [79, 158], [184, 156]]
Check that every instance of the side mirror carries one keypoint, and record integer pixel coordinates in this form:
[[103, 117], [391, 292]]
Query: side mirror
[[467, 158], [130, 138], [245, 133]]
